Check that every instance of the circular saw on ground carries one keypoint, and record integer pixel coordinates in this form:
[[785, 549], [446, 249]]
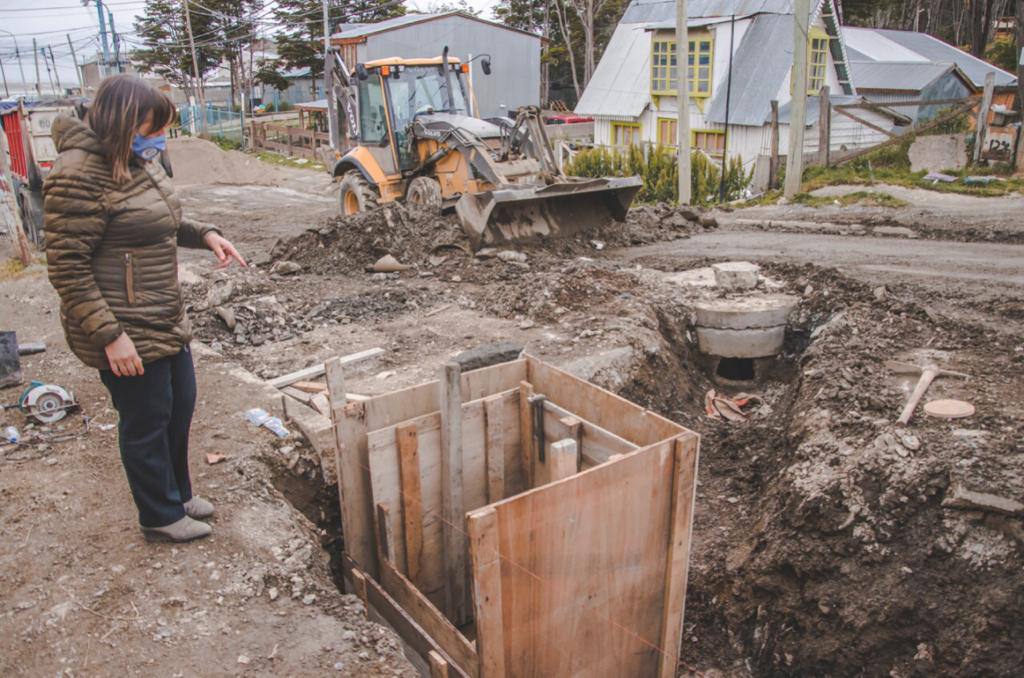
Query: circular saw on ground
[[46, 403]]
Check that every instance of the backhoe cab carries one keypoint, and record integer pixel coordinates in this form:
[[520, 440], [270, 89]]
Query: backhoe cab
[[416, 138]]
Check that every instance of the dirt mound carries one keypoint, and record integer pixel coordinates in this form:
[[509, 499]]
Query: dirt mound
[[198, 161]]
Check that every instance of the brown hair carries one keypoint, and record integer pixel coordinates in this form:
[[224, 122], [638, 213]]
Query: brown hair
[[121, 105]]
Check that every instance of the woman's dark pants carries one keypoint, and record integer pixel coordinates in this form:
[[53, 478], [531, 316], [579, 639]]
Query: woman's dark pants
[[155, 414]]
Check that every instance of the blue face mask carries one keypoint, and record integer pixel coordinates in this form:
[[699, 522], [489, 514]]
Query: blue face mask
[[148, 148]]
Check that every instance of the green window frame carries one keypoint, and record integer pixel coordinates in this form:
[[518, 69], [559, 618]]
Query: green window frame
[[817, 60], [625, 134], [700, 60]]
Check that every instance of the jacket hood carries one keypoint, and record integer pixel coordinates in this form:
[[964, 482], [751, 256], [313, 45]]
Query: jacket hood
[[69, 132]]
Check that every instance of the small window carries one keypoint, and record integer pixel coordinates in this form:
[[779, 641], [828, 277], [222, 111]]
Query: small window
[[710, 141], [667, 131], [817, 63], [625, 134], [663, 66]]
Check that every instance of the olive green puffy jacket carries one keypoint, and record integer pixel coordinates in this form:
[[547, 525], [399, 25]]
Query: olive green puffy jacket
[[112, 250]]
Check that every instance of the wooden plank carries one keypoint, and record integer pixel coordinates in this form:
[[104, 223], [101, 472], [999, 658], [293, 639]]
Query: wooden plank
[[415, 401], [562, 460], [583, 569], [359, 580], [824, 125], [592, 403], [422, 611], [866, 123], [686, 451], [385, 537], [494, 425], [452, 505], [354, 483], [377, 600], [438, 665], [981, 122], [385, 476], [296, 394], [483, 550], [407, 439], [318, 370], [342, 455], [773, 162], [526, 442], [310, 386]]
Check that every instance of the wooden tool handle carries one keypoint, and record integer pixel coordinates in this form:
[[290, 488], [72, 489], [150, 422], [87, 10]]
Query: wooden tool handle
[[922, 385]]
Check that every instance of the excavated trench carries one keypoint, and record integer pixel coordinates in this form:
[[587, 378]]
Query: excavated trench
[[801, 562]]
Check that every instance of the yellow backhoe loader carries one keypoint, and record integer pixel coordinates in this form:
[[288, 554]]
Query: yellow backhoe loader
[[411, 135]]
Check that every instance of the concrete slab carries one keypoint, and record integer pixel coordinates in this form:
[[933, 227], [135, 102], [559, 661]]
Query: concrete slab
[[756, 310], [695, 277], [751, 343], [736, 275], [937, 152]]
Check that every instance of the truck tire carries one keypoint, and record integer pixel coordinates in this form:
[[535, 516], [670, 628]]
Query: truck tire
[[424, 192], [357, 194]]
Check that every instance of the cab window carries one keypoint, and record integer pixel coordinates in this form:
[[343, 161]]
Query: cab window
[[373, 124]]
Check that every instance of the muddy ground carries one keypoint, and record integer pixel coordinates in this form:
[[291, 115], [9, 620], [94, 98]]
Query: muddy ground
[[821, 543]]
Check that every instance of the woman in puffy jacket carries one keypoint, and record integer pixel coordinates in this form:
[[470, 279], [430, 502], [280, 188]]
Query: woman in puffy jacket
[[113, 226]]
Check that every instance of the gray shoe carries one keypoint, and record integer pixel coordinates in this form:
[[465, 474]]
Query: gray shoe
[[198, 508], [185, 529]]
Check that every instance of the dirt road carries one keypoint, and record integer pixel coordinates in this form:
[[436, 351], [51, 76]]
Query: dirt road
[[821, 546]]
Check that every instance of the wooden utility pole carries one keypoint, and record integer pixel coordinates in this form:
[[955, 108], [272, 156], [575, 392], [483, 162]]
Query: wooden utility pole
[[798, 106], [981, 125], [773, 163], [1020, 84], [195, 69], [824, 125], [332, 122], [78, 71], [11, 201], [682, 104], [35, 54]]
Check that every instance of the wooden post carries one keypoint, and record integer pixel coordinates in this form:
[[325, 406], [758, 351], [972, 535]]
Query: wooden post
[[824, 125], [684, 478], [438, 665], [981, 126], [452, 507], [798, 106], [773, 162], [562, 460], [412, 501], [483, 534], [11, 200], [494, 425], [385, 538]]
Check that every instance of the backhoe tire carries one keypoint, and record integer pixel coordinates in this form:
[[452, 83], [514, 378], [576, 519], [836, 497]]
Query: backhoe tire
[[356, 194], [424, 192]]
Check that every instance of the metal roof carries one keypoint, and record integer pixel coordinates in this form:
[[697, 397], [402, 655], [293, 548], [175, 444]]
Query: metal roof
[[882, 44], [361, 30], [911, 76], [621, 84], [760, 66], [648, 11]]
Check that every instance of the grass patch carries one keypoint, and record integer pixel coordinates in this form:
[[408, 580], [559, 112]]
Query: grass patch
[[12, 267], [272, 158], [866, 198]]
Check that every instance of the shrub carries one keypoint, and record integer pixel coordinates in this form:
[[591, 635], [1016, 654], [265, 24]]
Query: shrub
[[659, 171]]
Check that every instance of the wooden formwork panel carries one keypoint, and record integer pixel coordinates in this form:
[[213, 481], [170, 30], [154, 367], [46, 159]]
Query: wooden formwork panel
[[582, 575]]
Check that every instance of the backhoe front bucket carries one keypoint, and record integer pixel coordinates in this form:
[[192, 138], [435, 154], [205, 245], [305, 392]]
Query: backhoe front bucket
[[510, 214]]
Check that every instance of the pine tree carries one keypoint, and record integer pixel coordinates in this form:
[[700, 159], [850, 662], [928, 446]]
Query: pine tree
[[167, 53]]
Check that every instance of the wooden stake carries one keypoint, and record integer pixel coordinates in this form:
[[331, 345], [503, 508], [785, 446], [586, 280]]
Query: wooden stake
[[824, 125], [483, 534], [981, 126], [687, 451], [773, 163], [494, 425], [452, 506], [526, 431], [438, 665], [412, 500], [385, 538]]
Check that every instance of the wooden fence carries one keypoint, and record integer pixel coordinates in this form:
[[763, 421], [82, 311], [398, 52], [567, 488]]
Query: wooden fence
[[287, 139]]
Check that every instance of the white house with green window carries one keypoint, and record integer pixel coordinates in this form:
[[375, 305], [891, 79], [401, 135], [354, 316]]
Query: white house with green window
[[632, 95]]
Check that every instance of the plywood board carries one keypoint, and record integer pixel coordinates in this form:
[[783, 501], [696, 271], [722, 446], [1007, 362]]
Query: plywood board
[[592, 403], [583, 569], [385, 478]]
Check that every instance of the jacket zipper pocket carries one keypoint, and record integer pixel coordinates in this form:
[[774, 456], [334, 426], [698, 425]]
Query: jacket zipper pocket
[[129, 277]]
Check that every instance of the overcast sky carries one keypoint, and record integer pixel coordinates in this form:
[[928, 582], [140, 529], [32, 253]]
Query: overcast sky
[[51, 21]]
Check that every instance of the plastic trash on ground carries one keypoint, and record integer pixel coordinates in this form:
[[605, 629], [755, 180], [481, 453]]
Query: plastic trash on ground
[[259, 417], [11, 435]]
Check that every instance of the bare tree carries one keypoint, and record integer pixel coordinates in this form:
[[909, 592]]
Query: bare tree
[[564, 25], [587, 11]]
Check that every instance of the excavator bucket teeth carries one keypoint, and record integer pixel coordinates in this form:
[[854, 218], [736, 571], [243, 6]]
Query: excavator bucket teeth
[[514, 213]]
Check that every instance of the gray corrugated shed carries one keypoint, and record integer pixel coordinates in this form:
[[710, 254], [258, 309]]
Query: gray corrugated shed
[[620, 86], [363, 30], [935, 50], [648, 11], [759, 69], [892, 75]]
